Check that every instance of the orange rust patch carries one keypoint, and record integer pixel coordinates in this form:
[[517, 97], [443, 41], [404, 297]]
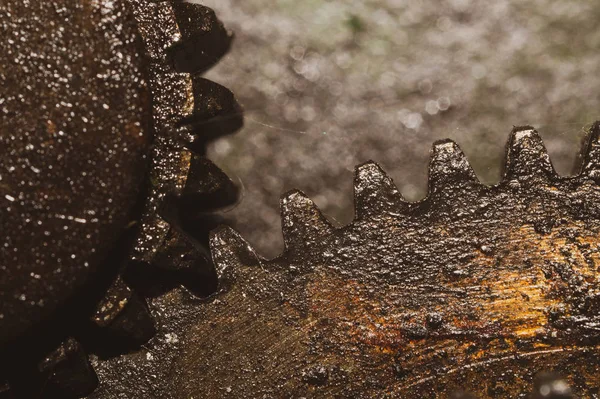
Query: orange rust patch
[[506, 310]]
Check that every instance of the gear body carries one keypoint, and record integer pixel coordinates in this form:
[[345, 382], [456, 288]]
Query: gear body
[[76, 131], [473, 289], [102, 126]]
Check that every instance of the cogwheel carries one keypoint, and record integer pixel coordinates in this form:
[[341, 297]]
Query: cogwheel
[[103, 119], [475, 291]]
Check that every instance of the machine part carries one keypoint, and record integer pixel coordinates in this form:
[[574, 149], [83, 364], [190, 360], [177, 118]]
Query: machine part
[[101, 103], [475, 291]]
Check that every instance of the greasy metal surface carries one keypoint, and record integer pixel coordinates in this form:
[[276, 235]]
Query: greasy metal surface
[[74, 132], [178, 98], [69, 372], [473, 289], [75, 138]]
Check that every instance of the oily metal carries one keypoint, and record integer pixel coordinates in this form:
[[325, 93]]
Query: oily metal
[[101, 103], [475, 289]]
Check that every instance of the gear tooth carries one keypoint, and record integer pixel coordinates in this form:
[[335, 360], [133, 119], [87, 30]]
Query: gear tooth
[[216, 111], [302, 221], [228, 249], [124, 315], [449, 166], [69, 371], [204, 38], [207, 187], [134, 322], [526, 155], [181, 254], [591, 160], [374, 191]]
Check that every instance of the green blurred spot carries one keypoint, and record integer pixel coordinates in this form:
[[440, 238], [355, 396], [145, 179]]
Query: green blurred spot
[[355, 24]]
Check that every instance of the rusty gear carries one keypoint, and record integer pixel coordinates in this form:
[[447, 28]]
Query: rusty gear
[[103, 120], [475, 289]]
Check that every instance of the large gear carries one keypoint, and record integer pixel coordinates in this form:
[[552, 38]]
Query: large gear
[[474, 289], [471, 291], [103, 120]]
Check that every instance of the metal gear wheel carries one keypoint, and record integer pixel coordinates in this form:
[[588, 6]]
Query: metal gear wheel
[[468, 293], [103, 118]]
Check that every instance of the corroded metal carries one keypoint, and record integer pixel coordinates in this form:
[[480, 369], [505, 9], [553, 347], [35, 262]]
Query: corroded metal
[[475, 289]]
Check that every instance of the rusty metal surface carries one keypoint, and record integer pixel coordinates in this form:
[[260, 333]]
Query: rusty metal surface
[[474, 289]]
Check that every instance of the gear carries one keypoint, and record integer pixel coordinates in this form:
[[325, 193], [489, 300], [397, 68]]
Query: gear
[[474, 289], [104, 117]]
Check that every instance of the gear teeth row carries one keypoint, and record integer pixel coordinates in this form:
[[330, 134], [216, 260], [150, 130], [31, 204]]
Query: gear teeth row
[[375, 193], [207, 110], [193, 41]]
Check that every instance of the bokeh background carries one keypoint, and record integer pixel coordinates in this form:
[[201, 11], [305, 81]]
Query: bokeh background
[[328, 84]]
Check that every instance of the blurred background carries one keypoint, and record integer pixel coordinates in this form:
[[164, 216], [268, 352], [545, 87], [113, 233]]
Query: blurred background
[[329, 84]]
